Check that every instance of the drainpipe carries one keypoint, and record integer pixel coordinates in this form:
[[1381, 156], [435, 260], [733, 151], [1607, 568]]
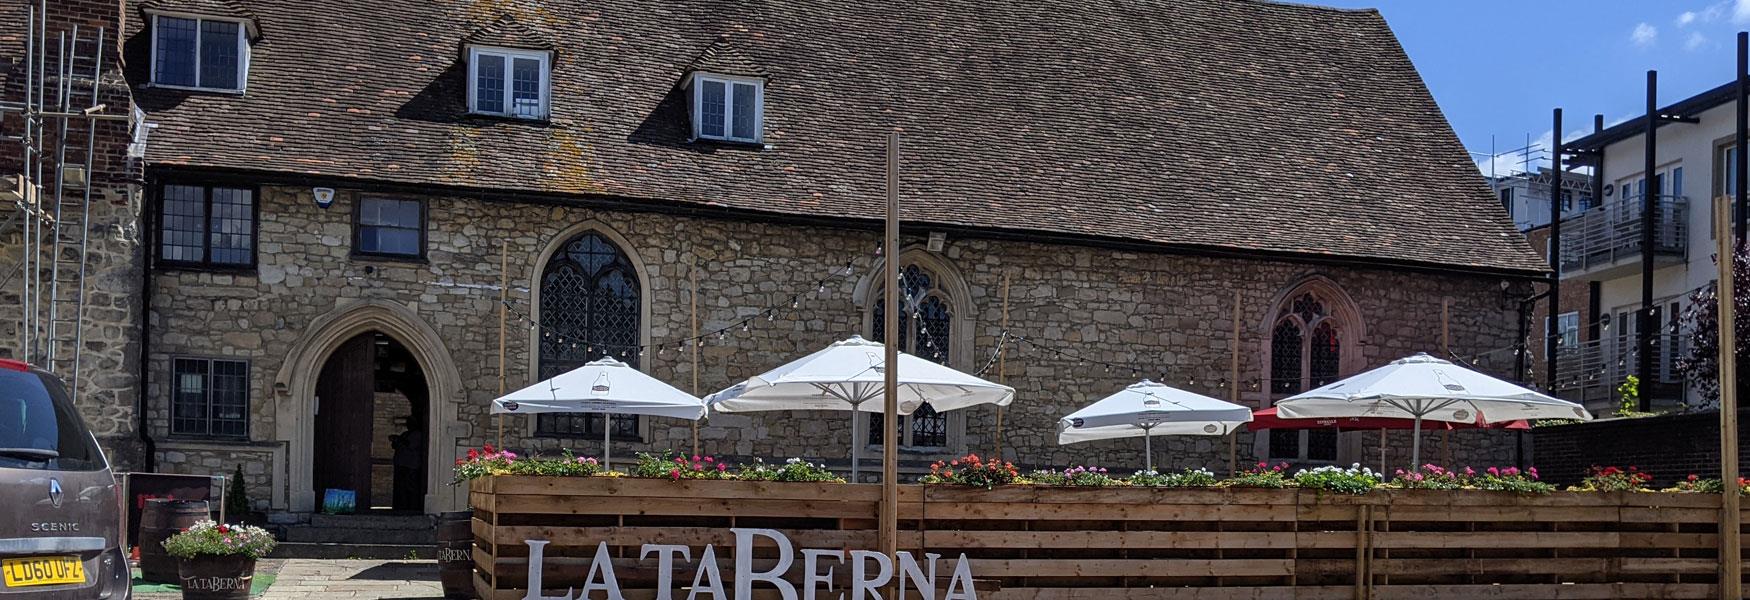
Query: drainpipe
[[148, 216]]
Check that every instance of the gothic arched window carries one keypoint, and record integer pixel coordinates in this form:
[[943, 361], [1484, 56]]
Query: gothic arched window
[[1306, 352], [590, 308], [927, 337]]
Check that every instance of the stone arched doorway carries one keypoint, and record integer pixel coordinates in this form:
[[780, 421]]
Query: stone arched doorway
[[345, 333], [372, 414]]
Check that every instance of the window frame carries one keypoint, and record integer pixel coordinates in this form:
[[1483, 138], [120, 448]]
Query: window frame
[[242, 53], [248, 399], [206, 263], [542, 426], [729, 82], [358, 211], [510, 55], [945, 286]]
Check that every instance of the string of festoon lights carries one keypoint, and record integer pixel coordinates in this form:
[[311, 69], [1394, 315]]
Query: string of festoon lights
[[1531, 345], [911, 298], [770, 313]]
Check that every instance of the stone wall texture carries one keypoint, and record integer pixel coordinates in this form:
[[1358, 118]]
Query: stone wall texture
[[1169, 316], [109, 346]]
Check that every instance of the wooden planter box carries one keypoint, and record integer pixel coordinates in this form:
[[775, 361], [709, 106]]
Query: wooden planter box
[[1042, 543]]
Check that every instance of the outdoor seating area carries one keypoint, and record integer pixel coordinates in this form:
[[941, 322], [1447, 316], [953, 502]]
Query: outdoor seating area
[[1429, 531]]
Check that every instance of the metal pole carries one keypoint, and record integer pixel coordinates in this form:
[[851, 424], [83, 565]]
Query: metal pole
[[27, 183], [888, 531], [85, 216], [1644, 325], [1550, 349], [1741, 190], [1731, 551], [1148, 449], [63, 89]]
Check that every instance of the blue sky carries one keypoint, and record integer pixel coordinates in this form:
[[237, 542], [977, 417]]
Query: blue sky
[[1497, 67]]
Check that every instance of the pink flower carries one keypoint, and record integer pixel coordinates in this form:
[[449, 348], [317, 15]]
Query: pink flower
[[675, 474], [1469, 472], [1532, 471], [722, 467], [709, 459], [1494, 472]]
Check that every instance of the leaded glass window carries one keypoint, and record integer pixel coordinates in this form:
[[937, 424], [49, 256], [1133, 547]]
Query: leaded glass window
[[590, 308], [927, 337], [206, 226], [210, 398], [1306, 351]]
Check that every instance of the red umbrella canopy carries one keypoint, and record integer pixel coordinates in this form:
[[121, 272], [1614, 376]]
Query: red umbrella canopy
[[1267, 419]]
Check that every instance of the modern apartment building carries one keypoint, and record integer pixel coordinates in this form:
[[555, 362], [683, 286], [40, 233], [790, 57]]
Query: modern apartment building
[[1603, 250]]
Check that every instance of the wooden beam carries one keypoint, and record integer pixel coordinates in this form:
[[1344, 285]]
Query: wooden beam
[[1731, 546]]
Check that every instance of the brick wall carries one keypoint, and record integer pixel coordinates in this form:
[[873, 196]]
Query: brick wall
[[1669, 447]]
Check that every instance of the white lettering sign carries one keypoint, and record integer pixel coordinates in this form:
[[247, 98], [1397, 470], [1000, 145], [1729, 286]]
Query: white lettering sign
[[866, 579]]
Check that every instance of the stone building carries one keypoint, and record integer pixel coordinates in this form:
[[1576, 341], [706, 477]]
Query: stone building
[[335, 212]]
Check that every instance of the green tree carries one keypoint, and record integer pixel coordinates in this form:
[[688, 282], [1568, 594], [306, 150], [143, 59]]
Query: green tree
[[236, 497]]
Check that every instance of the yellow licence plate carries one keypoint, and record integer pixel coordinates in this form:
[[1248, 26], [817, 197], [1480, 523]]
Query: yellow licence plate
[[42, 570]]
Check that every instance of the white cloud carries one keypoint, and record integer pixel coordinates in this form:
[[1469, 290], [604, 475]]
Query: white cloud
[[1695, 42], [1686, 18], [1646, 35], [1741, 12]]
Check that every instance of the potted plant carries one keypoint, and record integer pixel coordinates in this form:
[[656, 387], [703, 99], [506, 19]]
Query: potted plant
[[216, 561]]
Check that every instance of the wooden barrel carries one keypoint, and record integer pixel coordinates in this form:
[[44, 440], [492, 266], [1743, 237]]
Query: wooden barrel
[[455, 553], [159, 520]]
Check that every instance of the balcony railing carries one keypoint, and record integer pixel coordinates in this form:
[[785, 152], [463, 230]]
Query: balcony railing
[[1605, 362], [1606, 235]]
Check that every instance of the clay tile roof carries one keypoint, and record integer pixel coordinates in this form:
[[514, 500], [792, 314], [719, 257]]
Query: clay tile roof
[[506, 31], [1217, 126], [207, 8], [723, 58]]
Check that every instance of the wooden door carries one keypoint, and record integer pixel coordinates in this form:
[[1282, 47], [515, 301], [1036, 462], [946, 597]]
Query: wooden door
[[345, 400]]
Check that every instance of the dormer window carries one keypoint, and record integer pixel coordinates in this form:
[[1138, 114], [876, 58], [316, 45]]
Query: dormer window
[[199, 53], [509, 82], [727, 107]]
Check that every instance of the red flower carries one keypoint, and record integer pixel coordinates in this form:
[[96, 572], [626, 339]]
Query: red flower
[[489, 448], [473, 454], [224, 529]]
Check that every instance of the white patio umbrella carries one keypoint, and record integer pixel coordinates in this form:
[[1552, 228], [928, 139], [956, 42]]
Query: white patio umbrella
[[605, 387], [1422, 387], [1146, 409], [848, 376]]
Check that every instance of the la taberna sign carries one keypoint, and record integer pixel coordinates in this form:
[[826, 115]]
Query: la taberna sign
[[870, 571]]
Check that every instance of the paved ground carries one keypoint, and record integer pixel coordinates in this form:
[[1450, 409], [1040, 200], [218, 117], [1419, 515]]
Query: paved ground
[[348, 580]]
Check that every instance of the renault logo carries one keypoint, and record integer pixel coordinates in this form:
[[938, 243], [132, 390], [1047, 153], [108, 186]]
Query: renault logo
[[55, 492]]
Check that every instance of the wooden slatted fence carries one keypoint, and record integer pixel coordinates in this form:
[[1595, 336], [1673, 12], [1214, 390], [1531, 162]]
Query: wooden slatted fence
[[1043, 543]]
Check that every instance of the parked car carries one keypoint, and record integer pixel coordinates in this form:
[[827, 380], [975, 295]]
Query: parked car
[[62, 537]]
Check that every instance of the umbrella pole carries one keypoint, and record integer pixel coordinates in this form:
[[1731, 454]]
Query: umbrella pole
[[1148, 450], [1416, 446], [607, 443], [854, 452]]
